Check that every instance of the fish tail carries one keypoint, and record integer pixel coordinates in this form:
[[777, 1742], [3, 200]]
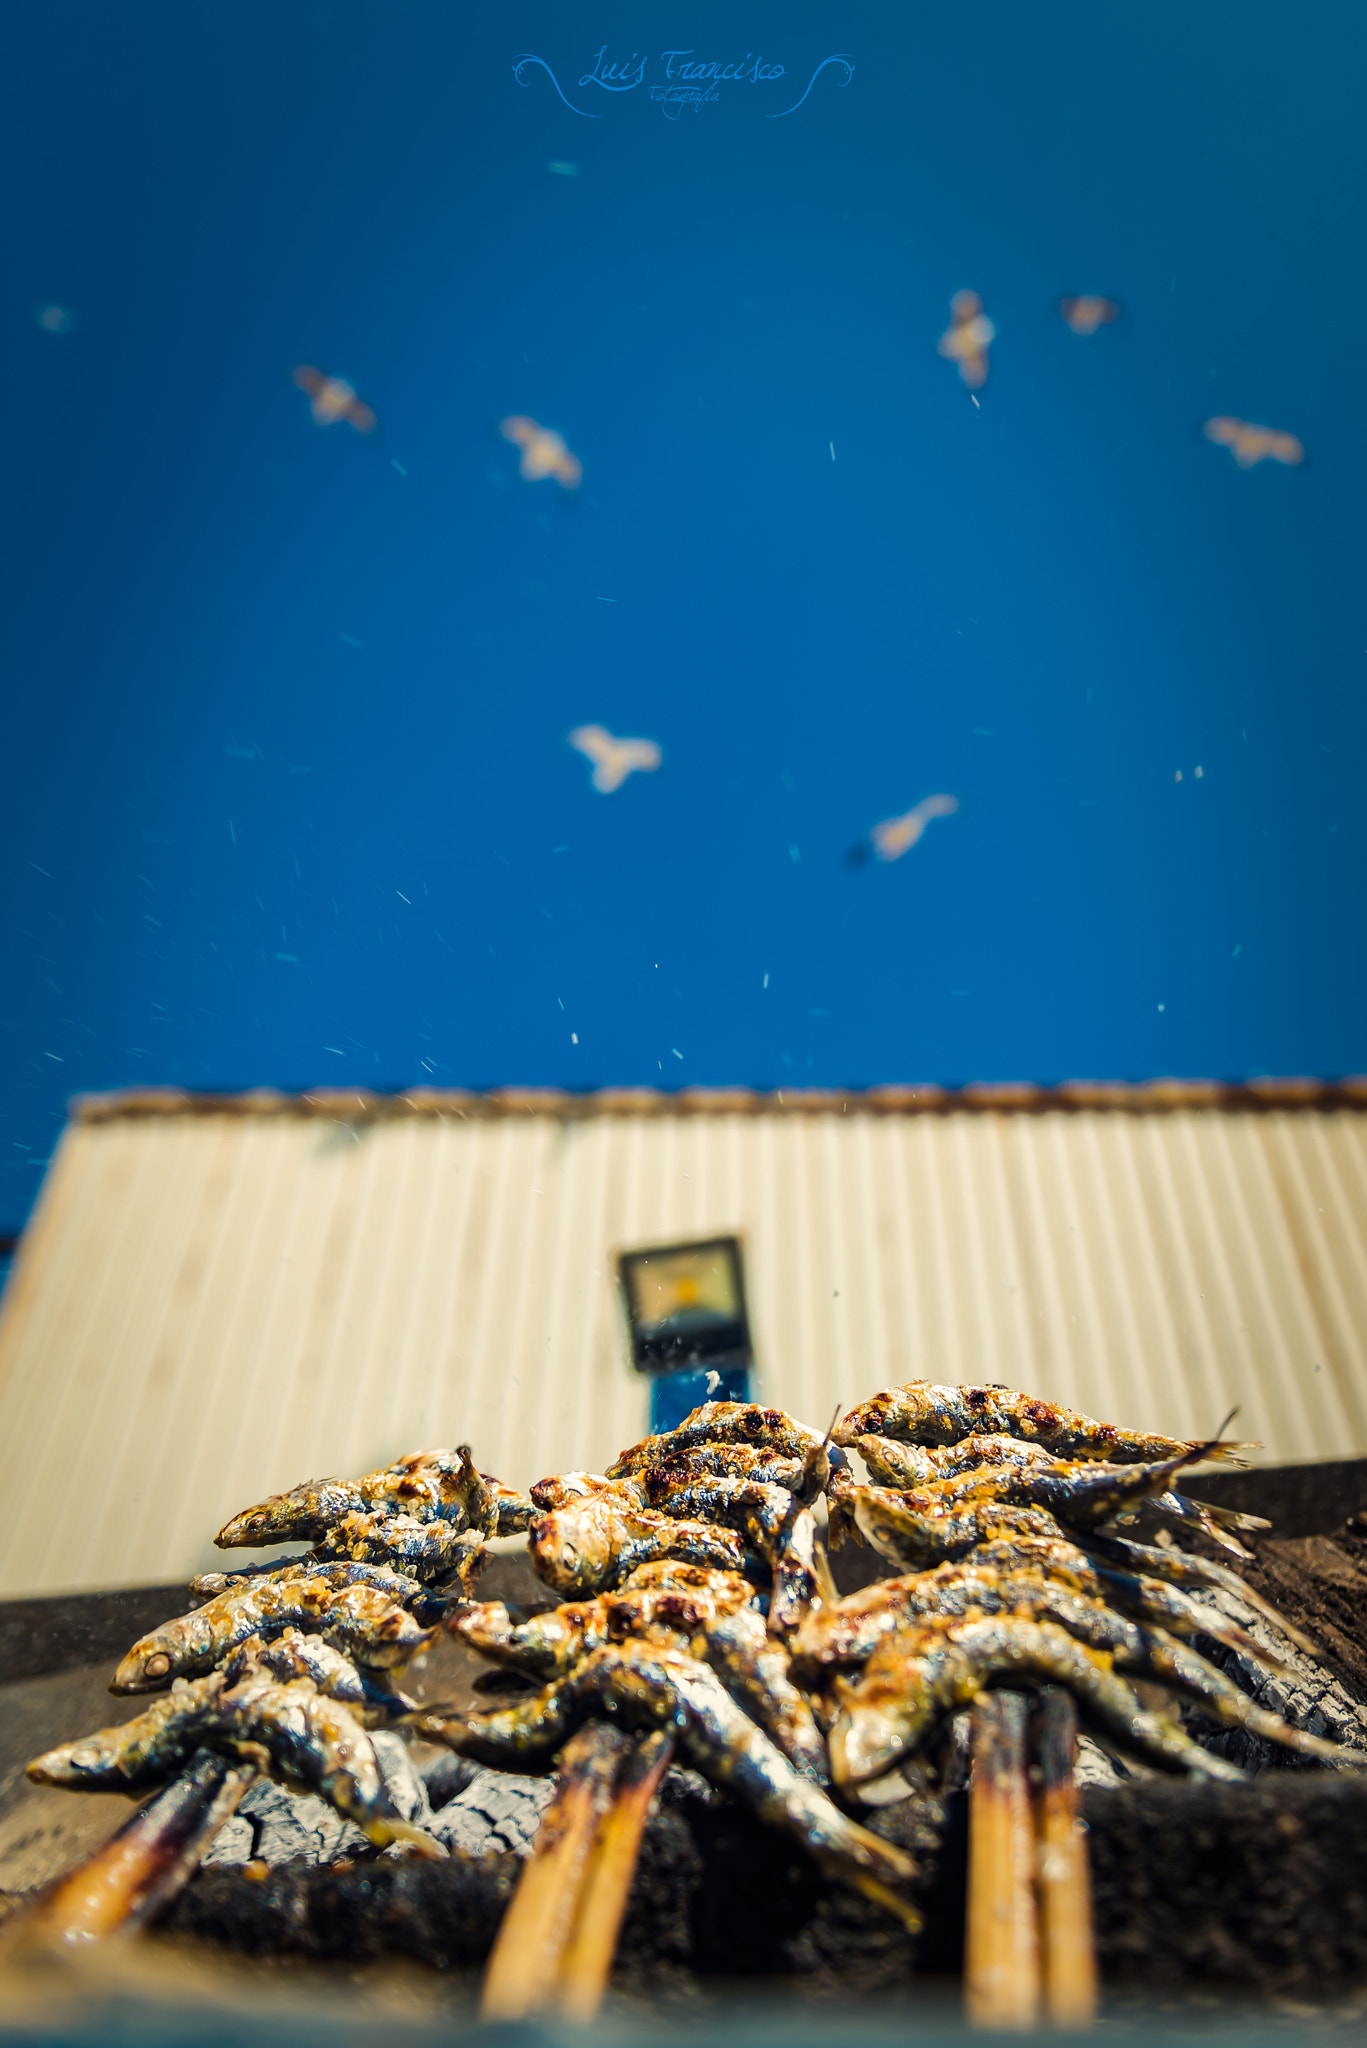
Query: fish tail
[[1228, 1453], [1231, 1518], [1208, 1521], [883, 1895], [1259, 1721], [1181, 1568], [383, 1833]]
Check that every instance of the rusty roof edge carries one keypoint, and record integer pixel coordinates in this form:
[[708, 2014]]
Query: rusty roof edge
[[355, 1105]]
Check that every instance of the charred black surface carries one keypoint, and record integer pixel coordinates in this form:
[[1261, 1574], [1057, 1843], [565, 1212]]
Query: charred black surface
[[1258, 1887], [444, 1913], [718, 1895]]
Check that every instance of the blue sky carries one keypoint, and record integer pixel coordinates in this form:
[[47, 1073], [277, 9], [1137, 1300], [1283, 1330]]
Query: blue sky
[[287, 795]]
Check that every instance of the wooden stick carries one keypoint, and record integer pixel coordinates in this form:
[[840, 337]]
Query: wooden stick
[[524, 1965], [138, 1871], [1063, 1873], [1001, 1961], [587, 1963]]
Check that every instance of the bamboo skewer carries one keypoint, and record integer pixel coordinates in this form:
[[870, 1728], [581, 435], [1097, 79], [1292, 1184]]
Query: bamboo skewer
[[587, 1963], [1064, 1878], [524, 1966], [1001, 1960], [131, 1879]]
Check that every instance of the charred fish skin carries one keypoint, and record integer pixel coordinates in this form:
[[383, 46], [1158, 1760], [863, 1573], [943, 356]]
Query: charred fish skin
[[294, 1655], [1136, 1648], [998, 1578], [680, 1597], [927, 1412], [288, 1730], [438, 1485], [722, 1461], [572, 1489], [430, 1551], [903, 1465], [914, 1680], [756, 1671], [507, 1512], [1180, 1568], [357, 1618], [592, 1547], [648, 1687], [427, 1604], [955, 1592], [303, 1513], [916, 1541], [430, 1486], [305, 1739], [722, 1422], [1141, 1597], [779, 1529], [1079, 1493]]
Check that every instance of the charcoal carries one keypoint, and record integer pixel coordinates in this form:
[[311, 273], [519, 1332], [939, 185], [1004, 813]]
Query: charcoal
[[446, 1913], [275, 1826], [1259, 1887]]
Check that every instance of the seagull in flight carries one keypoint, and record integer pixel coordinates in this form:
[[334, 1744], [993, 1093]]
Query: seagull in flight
[[543, 452], [332, 399], [896, 836], [1249, 445], [1084, 315], [967, 338], [613, 760]]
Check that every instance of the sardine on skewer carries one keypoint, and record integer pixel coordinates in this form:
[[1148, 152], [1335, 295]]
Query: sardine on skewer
[[507, 1512], [722, 1422], [427, 1485], [569, 1489], [644, 1686], [359, 1619], [684, 1597], [846, 1631], [596, 1544], [961, 1593], [772, 1519], [431, 1550], [915, 1679], [730, 1461], [757, 1672], [291, 1731], [905, 1466], [901, 1465], [1082, 1494], [1180, 1568], [916, 1541], [292, 1655], [426, 1603], [926, 1412]]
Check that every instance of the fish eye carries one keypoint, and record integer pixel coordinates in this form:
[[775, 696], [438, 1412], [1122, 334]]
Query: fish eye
[[158, 1666]]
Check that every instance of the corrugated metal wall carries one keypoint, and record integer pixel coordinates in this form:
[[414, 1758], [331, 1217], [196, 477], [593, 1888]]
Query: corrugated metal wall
[[209, 1307]]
